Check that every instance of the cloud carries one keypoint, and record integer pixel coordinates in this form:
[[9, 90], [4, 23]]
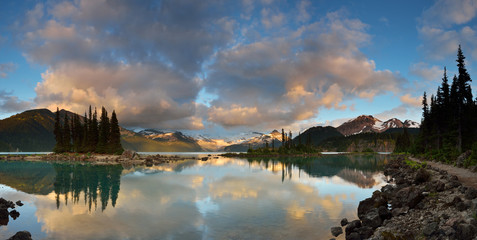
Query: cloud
[[401, 112], [423, 70], [445, 25], [412, 101], [140, 58], [149, 60], [288, 79], [5, 68], [449, 12], [142, 94], [12, 104]]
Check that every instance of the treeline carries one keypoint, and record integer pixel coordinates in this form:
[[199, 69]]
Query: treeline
[[448, 125], [288, 146], [88, 134]]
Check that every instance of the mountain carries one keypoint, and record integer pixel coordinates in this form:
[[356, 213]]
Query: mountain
[[151, 140], [214, 144], [368, 123], [260, 140], [32, 131], [317, 135], [29, 131]]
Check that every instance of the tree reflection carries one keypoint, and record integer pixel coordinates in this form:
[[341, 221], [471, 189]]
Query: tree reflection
[[357, 169], [72, 180]]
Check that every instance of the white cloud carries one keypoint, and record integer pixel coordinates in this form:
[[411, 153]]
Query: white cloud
[[423, 70], [445, 25]]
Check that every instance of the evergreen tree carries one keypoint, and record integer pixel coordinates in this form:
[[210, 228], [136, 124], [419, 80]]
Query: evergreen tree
[[58, 131], [283, 137], [84, 143], [66, 134], [94, 132], [104, 131], [115, 141]]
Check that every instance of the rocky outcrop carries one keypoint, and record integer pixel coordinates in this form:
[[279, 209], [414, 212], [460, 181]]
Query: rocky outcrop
[[420, 201], [5, 214]]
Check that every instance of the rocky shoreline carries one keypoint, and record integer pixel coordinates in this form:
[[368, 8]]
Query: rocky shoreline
[[421, 202], [14, 214], [128, 158]]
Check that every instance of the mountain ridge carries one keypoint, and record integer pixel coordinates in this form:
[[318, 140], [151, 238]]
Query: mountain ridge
[[32, 130]]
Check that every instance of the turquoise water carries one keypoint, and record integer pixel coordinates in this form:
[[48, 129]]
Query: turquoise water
[[223, 198]]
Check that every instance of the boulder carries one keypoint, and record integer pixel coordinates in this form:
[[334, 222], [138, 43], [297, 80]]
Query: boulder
[[22, 235], [409, 196], [465, 231], [422, 175], [365, 206], [6, 204], [430, 228], [399, 211], [3, 216], [336, 231], [149, 162], [365, 232], [461, 159], [130, 154], [14, 214], [353, 236], [372, 219], [19, 203], [352, 226], [384, 213], [344, 222], [471, 193]]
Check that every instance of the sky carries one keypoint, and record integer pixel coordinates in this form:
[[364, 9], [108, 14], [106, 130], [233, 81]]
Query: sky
[[220, 68]]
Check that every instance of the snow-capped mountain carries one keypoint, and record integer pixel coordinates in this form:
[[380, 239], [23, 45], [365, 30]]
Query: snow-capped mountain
[[368, 123], [260, 140], [166, 136]]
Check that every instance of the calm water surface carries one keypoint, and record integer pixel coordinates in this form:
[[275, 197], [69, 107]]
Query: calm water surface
[[223, 198]]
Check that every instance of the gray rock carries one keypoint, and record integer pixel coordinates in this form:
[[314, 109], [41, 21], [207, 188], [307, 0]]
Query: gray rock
[[384, 213], [344, 222], [430, 228], [399, 211], [461, 159], [130, 154], [352, 226], [422, 175], [440, 186], [409, 196], [471, 193], [448, 230], [365, 206], [465, 231], [461, 206], [372, 219], [336, 231], [22, 235], [353, 236], [365, 232]]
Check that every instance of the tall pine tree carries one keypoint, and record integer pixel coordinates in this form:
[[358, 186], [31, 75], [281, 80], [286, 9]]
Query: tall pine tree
[[115, 136], [58, 131], [104, 132]]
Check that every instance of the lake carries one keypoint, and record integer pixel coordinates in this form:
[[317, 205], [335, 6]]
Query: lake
[[222, 198]]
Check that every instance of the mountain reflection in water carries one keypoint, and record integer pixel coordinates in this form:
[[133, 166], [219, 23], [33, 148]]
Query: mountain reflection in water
[[356, 169], [222, 198]]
